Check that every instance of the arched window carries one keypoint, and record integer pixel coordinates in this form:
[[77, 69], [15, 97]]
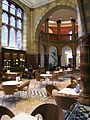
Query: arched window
[[12, 25]]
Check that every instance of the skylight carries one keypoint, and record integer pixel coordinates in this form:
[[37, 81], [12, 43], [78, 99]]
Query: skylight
[[35, 3]]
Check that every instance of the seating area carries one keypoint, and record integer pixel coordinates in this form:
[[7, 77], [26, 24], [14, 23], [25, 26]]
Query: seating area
[[10, 88], [36, 95]]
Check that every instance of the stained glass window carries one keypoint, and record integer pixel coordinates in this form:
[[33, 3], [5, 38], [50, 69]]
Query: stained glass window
[[19, 13], [5, 18], [19, 37], [12, 38], [5, 5], [4, 41], [19, 23], [12, 9], [12, 21]]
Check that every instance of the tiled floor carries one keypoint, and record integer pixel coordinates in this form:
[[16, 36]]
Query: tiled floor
[[38, 96]]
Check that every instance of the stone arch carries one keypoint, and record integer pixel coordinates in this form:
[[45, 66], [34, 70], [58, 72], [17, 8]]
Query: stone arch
[[48, 13]]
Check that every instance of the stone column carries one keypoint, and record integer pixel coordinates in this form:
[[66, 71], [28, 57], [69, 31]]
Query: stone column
[[74, 61], [74, 56], [73, 28], [1, 61], [59, 28], [85, 69], [47, 29], [46, 26], [59, 60]]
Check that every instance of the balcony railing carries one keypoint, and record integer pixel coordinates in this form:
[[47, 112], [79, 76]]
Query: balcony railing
[[57, 37]]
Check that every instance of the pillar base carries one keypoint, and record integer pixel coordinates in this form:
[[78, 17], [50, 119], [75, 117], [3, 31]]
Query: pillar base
[[84, 99]]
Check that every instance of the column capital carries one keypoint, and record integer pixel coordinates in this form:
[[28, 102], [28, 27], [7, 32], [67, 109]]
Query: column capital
[[85, 40], [58, 21], [47, 19], [73, 20]]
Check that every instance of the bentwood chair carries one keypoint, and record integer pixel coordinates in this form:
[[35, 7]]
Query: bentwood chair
[[9, 90], [72, 85], [49, 112], [54, 78], [73, 80], [5, 111], [24, 87], [50, 88], [65, 102], [38, 78]]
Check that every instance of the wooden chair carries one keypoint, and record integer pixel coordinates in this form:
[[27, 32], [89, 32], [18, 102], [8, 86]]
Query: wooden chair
[[73, 80], [54, 77], [5, 111], [49, 112], [24, 87], [9, 90], [50, 88], [65, 102], [72, 85], [38, 78], [61, 74], [4, 76]]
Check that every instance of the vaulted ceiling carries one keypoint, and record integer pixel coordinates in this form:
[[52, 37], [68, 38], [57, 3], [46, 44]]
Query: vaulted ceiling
[[36, 3], [64, 13]]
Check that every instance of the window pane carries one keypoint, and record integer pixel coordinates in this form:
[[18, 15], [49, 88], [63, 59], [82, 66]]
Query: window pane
[[12, 21], [12, 9], [5, 5], [4, 40], [11, 18], [19, 39], [19, 12], [19, 25], [5, 18], [12, 38]]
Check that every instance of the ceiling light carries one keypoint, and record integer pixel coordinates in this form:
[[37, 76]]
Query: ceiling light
[[71, 17], [60, 18]]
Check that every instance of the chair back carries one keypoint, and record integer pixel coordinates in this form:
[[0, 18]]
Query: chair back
[[5, 111], [72, 85], [38, 77], [73, 80], [64, 102], [24, 84], [50, 88], [54, 77], [49, 112], [9, 89]]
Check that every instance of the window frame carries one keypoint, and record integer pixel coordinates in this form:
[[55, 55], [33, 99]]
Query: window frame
[[16, 17]]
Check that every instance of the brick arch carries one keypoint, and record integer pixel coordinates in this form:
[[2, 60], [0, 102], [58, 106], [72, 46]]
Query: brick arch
[[49, 11]]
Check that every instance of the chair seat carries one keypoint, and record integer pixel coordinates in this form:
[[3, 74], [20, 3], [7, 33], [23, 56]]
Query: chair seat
[[49, 112]]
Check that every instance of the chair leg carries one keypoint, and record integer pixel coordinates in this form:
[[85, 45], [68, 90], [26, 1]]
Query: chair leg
[[28, 93], [14, 100], [2, 100]]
